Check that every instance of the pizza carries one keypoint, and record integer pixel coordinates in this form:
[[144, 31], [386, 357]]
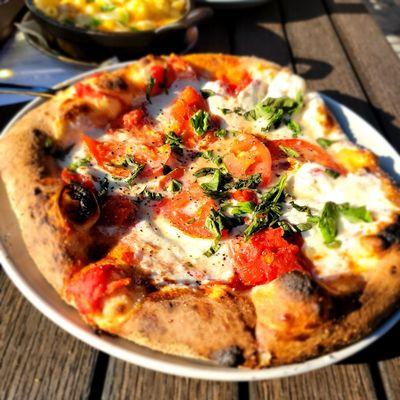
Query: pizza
[[206, 206]]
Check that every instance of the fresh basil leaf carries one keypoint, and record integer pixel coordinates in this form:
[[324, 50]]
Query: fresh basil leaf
[[94, 22], [300, 208], [216, 159], [216, 222], [313, 219], [241, 208], [134, 168], [174, 141], [294, 127], [204, 172], [355, 214], [213, 249], [221, 132], [256, 224], [216, 187], [328, 223], [149, 88], [147, 194], [305, 226], [287, 226], [206, 93], [174, 186], [82, 162], [330, 172], [289, 152], [325, 143], [200, 122], [251, 182], [273, 196]]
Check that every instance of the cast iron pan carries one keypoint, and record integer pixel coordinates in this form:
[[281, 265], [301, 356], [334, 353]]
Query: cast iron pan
[[99, 45]]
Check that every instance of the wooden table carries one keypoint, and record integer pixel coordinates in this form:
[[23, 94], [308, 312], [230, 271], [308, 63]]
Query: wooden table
[[339, 49]]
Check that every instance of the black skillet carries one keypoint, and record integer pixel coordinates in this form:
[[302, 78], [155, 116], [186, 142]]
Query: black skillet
[[99, 45]]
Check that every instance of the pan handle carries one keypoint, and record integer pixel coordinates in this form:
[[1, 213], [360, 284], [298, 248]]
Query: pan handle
[[193, 17]]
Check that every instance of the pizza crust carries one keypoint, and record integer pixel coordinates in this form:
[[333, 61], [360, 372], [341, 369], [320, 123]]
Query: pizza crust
[[229, 328]]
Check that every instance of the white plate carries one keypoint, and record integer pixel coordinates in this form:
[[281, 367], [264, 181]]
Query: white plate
[[23, 272]]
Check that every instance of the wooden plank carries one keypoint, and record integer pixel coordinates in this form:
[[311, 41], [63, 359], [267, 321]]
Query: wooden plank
[[319, 56], [126, 381], [38, 359], [259, 32], [334, 383], [374, 60]]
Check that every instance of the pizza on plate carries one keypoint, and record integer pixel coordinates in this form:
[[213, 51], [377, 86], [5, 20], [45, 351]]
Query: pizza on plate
[[206, 206]]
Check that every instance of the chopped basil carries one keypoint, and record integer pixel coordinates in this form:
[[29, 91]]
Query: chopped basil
[[166, 169], [328, 222], [216, 187], [330, 172], [294, 127], [277, 110], [305, 226], [241, 208], [216, 159], [300, 208], [149, 88], [256, 224], [216, 222], [48, 143], [251, 182], [289, 152], [213, 249], [206, 93], [204, 172], [269, 210], [134, 167], [200, 122], [174, 186], [221, 132], [82, 162], [147, 194], [174, 141], [355, 214], [325, 143]]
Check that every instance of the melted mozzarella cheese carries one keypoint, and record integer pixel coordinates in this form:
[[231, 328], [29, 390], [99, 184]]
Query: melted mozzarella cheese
[[309, 185], [166, 253]]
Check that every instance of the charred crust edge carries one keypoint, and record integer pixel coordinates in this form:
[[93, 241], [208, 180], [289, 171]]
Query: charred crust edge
[[391, 234]]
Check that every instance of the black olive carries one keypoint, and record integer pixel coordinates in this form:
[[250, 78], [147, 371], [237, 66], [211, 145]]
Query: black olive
[[79, 205]]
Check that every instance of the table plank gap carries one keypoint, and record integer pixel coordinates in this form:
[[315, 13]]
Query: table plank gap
[[38, 359], [390, 375], [377, 380], [99, 376]]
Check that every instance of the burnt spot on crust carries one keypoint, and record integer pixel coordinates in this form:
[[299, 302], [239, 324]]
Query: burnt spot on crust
[[115, 83], [299, 283], [390, 235], [48, 145], [37, 191], [231, 356], [76, 110], [393, 270]]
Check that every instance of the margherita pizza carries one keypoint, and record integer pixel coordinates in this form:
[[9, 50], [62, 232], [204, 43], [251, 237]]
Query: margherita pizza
[[206, 206]]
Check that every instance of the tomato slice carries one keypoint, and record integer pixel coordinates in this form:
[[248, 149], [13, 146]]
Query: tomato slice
[[245, 195], [163, 77], [188, 102], [246, 155], [90, 286], [188, 211], [307, 152], [264, 257], [174, 174], [234, 85]]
